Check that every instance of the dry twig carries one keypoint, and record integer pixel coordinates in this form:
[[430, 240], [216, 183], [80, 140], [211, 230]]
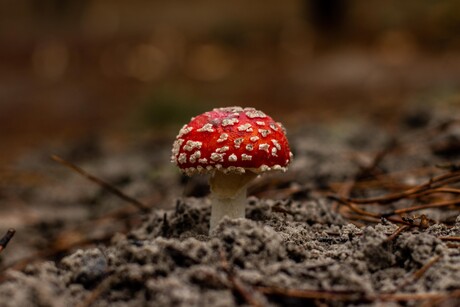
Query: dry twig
[[243, 290], [365, 215], [47, 253], [427, 206], [440, 300], [397, 232], [6, 238], [107, 186], [311, 294], [97, 292], [432, 184], [423, 193], [456, 239], [419, 273], [347, 296]]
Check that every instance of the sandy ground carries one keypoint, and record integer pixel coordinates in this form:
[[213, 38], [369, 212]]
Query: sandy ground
[[297, 245]]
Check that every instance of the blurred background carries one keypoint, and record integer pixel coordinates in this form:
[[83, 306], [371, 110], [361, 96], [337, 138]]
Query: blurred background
[[74, 69]]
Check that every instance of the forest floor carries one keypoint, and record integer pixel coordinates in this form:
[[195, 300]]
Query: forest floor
[[364, 215]]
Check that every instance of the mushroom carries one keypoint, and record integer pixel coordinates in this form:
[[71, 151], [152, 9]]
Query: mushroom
[[234, 145]]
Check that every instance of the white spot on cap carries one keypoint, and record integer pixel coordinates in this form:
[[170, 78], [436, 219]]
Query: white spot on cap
[[273, 126], [176, 146], [264, 132], [232, 158], [238, 142], [222, 138], [209, 167], [190, 145], [217, 157], [195, 156], [229, 109], [254, 138], [182, 158], [206, 128], [222, 149], [189, 171], [253, 113], [274, 150], [234, 169], [276, 144], [184, 130], [260, 123], [249, 147], [264, 168], [264, 147], [246, 157], [245, 127], [203, 161], [229, 121]]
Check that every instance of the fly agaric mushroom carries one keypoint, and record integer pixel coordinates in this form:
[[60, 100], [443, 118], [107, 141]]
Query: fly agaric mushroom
[[234, 145]]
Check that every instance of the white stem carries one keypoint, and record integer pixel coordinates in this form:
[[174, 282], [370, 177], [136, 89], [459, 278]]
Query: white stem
[[228, 195], [231, 207]]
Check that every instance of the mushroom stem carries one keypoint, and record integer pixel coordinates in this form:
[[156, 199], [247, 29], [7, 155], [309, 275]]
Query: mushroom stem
[[228, 195]]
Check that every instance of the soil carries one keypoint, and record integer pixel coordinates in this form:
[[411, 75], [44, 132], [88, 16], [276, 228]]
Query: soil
[[82, 246]]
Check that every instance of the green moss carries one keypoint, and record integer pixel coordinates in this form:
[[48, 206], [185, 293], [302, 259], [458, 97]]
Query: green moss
[[166, 108]]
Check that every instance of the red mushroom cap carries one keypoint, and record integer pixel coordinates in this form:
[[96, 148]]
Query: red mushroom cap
[[231, 139]]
